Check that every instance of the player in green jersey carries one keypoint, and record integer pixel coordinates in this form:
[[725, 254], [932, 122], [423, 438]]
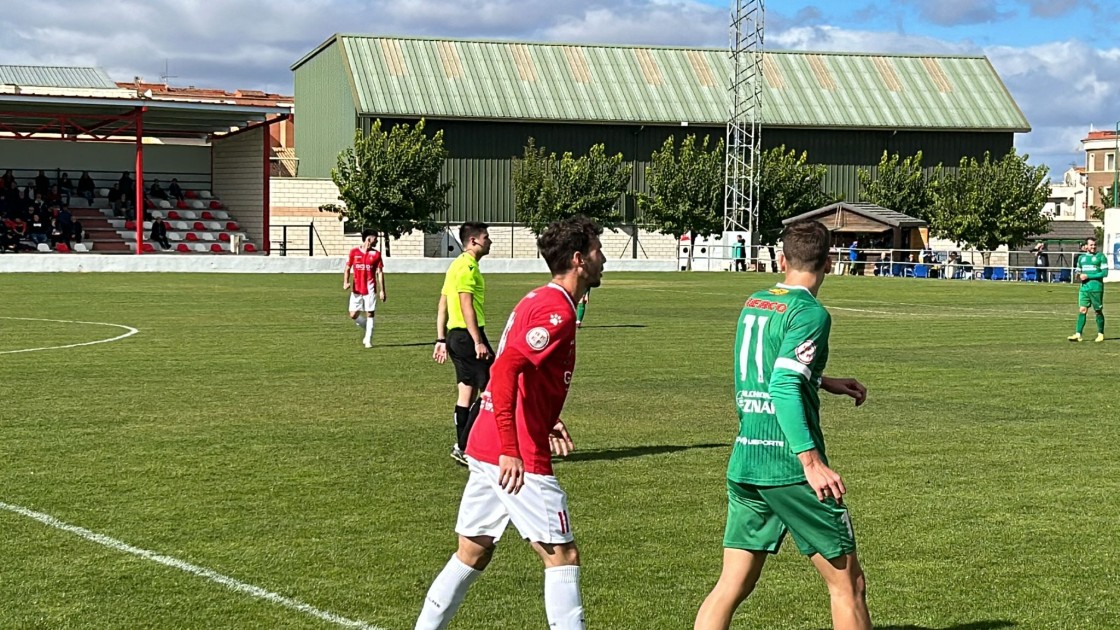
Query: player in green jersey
[[778, 479], [1092, 267]]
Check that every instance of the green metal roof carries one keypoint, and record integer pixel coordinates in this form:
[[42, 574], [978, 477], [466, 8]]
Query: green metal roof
[[407, 77], [56, 76]]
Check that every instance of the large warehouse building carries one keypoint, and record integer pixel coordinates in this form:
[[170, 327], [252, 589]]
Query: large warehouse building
[[490, 97]]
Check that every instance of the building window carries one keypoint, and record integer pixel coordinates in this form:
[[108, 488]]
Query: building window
[[1110, 162], [1092, 162]]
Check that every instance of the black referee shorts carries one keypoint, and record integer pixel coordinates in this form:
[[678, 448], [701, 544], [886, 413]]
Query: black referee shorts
[[469, 369]]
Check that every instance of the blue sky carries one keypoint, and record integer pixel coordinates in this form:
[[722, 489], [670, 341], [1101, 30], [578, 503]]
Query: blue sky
[[1060, 59]]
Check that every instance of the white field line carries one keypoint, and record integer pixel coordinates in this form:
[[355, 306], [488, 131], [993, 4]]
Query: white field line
[[131, 331], [213, 576]]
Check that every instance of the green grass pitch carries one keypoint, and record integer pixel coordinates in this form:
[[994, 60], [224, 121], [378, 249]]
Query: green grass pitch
[[244, 429]]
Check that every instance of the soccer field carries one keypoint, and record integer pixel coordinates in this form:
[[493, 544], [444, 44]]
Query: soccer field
[[245, 432]]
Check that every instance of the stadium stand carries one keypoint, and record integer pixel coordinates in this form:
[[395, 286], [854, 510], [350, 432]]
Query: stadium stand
[[198, 223]]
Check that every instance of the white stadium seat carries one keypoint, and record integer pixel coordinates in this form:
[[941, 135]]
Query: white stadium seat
[[199, 247], [197, 205], [163, 203], [102, 192], [180, 225], [82, 247], [214, 225], [43, 247], [174, 236], [205, 194], [158, 215], [207, 236], [190, 215]]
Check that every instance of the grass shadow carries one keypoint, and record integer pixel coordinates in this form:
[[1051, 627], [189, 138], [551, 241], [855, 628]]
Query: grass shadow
[[404, 345], [996, 624], [610, 454], [615, 326]]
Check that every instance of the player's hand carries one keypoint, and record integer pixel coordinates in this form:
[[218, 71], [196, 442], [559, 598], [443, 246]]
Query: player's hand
[[481, 351], [381, 296], [346, 285], [849, 387], [439, 355], [825, 482], [511, 473], [560, 440], [1083, 278]]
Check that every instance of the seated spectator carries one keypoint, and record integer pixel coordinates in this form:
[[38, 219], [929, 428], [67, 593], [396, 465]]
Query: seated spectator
[[174, 190], [156, 191], [42, 183], [64, 217], [86, 187], [159, 233], [19, 228], [59, 234], [37, 206], [8, 240], [116, 200], [883, 267], [65, 185], [38, 230], [8, 178], [76, 232]]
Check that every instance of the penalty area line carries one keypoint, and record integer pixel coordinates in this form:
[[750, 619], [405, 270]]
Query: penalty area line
[[175, 563]]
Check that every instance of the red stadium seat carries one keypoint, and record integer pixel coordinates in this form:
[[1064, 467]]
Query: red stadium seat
[[183, 248], [232, 227], [250, 248], [174, 216], [182, 205], [200, 226], [190, 194], [224, 237], [191, 236], [216, 248], [130, 225], [62, 248], [215, 205], [207, 216], [147, 248], [148, 205]]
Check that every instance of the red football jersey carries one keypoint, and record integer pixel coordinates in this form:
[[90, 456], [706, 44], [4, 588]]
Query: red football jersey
[[541, 333], [364, 265]]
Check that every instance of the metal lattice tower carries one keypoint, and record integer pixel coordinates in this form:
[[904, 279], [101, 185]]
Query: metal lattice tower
[[744, 126]]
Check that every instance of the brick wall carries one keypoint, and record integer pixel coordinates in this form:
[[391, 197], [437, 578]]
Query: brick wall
[[239, 182], [296, 201]]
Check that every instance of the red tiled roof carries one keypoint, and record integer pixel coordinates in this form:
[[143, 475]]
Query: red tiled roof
[[1099, 135], [240, 97]]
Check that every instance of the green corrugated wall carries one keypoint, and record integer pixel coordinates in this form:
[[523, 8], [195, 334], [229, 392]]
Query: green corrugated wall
[[325, 117]]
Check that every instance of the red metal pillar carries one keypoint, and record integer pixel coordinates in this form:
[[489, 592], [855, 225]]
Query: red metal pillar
[[139, 180], [267, 203]]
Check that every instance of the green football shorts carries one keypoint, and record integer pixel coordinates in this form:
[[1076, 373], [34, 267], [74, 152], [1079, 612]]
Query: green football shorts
[[1091, 298], [759, 516]]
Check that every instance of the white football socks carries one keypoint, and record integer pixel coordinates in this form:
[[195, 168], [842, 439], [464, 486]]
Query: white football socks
[[445, 595], [562, 602], [369, 331]]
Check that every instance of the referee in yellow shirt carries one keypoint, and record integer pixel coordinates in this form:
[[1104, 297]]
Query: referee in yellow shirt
[[461, 328]]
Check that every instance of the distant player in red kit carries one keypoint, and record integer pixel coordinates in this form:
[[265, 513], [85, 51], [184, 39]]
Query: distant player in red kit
[[369, 283], [517, 431]]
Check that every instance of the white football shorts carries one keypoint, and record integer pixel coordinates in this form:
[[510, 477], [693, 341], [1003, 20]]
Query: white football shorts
[[539, 510], [359, 302]]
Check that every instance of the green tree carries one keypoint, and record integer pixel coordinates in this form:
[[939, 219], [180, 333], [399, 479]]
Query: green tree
[[686, 190], [390, 181], [985, 204], [900, 185], [547, 188], [1104, 201], [789, 186]]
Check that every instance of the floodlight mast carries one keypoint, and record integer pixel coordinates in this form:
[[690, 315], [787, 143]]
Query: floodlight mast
[[743, 146]]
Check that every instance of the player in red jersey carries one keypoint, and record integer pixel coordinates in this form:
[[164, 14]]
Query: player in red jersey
[[369, 283], [517, 431]]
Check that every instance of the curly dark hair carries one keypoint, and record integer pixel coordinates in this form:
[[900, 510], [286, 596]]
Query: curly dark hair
[[563, 238]]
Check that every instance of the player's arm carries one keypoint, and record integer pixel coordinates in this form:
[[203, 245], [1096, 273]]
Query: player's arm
[[346, 273], [790, 376], [466, 302], [440, 352], [504, 375], [381, 283], [1102, 269]]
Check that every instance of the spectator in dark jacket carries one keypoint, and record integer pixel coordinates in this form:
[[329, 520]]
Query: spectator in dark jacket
[[42, 183], [38, 230], [159, 233], [116, 200], [86, 187], [156, 191], [174, 190]]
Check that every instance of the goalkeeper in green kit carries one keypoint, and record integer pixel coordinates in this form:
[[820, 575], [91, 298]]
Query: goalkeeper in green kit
[[1092, 267], [779, 480]]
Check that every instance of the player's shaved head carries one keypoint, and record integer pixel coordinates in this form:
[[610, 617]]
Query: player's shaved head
[[562, 239], [805, 245]]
